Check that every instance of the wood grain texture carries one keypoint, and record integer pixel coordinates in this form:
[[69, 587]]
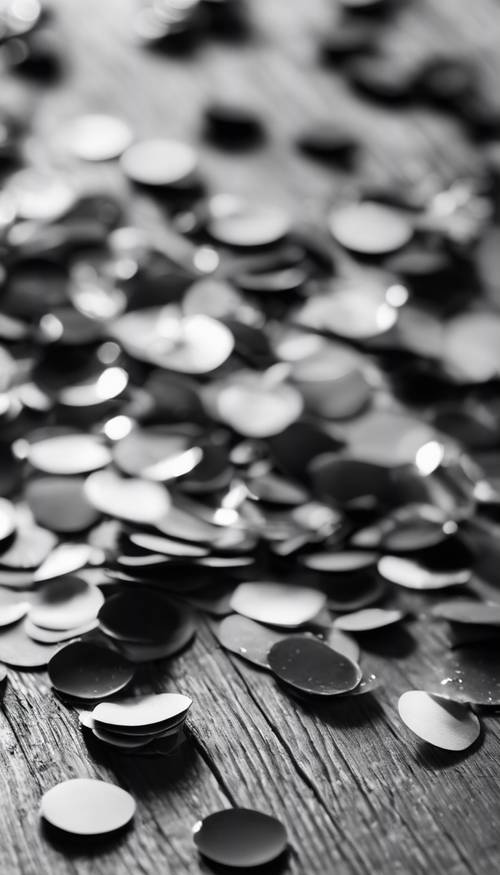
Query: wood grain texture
[[357, 793]]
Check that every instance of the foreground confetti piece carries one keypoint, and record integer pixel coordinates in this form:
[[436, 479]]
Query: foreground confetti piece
[[412, 575], [159, 335], [60, 504], [65, 603], [69, 454], [19, 651], [277, 603], [342, 643], [240, 837], [64, 559], [471, 674], [153, 712], [12, 613], [142, 617], [256, 409], [236, 222], [157, 454], [472, 346], [85, 670], [167, 546], [247, 639], [133, 499], [310, 666], [440, 722], [50, 636], [159, 162], [368, 620], [370, 228], [97, 137], [86, 807], [30, 547], [343, 562], [468, 611]]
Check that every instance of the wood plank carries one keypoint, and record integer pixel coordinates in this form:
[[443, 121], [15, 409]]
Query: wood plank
[[357, 794]]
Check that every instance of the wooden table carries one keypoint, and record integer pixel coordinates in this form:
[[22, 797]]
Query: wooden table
[[357, 792]]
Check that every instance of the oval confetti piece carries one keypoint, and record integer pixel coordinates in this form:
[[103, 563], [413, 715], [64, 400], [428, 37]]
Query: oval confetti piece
[[85, 670], [12, 613], [60, 504], [412, 575], [166, 546], [243, 224], [19, 651], [147, 449], [124, 742], [142, 617], [69, 454], [471, 347], [470, 674], [442, 723], [30, 547], [342, 562], [86, 807], [132, 499], [190, 345], [342, 643], [310, 666], [58, 636], [369, 683], [64, 559], [277, 603], [247, 639], [369, 228], [255, 409], [368, 619], [468, 611], [159, 162], [97, 137], [65, 603], [240, 837], [143, 713]]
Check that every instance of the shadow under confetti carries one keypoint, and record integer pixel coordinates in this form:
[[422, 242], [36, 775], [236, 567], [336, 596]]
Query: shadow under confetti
[[341, 712], [399, 644], [83, 846], [433, 759], [276, 867]]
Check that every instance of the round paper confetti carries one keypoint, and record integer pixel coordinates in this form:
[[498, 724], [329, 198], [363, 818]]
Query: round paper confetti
[[277, 603], [86, 807], [370, 228], [412, 575], [470, 674], [310, 666], [97, 137], [133, 499], [191, 345], [468, 611], [85, 670], [65, 603], [368, 619], [143, 713], [240, 837], [69, 454], [441, 723], [159, 162], [247, 639]]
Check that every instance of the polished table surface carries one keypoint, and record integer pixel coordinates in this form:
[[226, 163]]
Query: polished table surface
[[357, 792]]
